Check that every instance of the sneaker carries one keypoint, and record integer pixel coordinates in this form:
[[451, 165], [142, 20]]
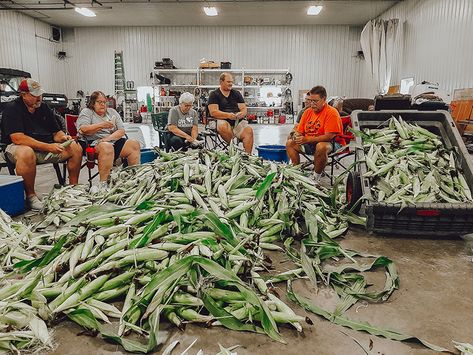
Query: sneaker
[[317, 178], [100, 188], [34, 203]]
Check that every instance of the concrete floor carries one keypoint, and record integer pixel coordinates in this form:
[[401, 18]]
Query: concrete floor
[[434, 301]]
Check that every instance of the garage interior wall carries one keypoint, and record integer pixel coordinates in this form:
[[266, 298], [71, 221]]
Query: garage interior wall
[[25, 45], [436, 42], [315, 55]]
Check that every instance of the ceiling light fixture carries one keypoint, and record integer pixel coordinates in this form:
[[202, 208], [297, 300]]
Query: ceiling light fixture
[[85, 11], [210, 10], [314, 10]]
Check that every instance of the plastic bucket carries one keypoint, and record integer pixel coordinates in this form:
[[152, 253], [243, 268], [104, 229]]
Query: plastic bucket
[[273, 152]]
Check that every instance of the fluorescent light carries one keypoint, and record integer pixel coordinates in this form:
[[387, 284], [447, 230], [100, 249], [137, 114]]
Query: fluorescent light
[[85, 11], [210, 10], [314, 10]]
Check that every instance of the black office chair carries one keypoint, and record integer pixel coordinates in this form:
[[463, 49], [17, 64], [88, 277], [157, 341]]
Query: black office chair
[[160, 123]]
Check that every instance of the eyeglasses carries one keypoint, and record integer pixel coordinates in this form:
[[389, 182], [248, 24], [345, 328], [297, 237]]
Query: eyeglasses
[[315, 102], [101, 102]]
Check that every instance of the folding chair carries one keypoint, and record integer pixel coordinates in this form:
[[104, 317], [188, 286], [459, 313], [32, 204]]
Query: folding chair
[[6, 163], [160, 123], [211, 136], [71, 125], [336, 157], [61, 175]]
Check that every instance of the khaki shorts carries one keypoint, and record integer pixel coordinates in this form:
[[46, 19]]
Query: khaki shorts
[[40, 156], [238, 129]]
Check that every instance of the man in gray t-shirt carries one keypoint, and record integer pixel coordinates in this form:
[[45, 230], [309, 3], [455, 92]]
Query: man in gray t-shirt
[[182, 123]]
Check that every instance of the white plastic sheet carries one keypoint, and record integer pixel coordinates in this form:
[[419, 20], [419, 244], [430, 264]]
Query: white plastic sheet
[[377, 42]]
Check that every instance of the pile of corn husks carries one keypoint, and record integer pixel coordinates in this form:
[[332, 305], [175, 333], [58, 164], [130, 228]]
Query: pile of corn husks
[[409, 164], [181, 239]]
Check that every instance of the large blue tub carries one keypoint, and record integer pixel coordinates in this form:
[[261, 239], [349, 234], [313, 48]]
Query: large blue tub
[[148, 155], [273, 152]]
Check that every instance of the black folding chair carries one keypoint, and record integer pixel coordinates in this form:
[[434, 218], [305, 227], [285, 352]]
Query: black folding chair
[[211, 136], [60, 173]]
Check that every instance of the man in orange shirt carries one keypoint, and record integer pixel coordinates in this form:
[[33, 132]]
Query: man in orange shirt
[[319, 125]]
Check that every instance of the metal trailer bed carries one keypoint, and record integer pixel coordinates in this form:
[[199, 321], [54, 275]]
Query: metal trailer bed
[[421, 219]]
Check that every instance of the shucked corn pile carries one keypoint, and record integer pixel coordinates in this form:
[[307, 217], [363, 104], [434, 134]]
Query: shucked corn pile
[[181, 240], [408, 164]]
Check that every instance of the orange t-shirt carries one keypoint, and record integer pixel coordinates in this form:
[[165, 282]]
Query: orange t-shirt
[[316, 124]]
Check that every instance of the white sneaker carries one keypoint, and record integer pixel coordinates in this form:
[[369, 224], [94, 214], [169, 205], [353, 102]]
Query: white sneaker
[[34, 203], [100, 188], [316, 177]]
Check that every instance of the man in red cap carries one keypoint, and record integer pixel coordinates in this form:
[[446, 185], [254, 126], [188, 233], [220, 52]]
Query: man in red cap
[[31, 132]]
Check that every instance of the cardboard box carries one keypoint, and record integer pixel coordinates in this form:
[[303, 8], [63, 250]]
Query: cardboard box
[[462, 111], [209, 65]]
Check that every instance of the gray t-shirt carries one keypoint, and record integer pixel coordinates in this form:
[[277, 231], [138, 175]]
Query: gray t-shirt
[[183, 121], [88, 117]]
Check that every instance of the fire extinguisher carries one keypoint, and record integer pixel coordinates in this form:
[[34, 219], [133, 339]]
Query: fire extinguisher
[[90, 154]]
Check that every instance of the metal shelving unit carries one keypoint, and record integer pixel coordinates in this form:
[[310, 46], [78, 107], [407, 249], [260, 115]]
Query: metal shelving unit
[[201, 80]]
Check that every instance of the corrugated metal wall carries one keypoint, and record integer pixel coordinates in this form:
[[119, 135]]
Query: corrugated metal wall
[[25, 45], [436, 42], [435, 45], [314, 54]]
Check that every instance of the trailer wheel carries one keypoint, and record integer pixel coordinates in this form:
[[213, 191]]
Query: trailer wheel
[[353, 190]]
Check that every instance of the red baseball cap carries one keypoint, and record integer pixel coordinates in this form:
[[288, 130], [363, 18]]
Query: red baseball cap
[[31, 86]]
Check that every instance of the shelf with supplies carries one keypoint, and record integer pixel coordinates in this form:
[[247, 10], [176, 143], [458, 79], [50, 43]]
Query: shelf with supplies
[[258, 86], [265, 108], [183, 71], [181, 85], [217, 70], [130, 105], [262, 86], [217, 86]]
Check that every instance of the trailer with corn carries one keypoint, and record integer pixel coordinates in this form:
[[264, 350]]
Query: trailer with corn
[[413, 173]]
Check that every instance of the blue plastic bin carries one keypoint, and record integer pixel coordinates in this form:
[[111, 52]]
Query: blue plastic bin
[[12, 194], [273, 152], [148, 155]]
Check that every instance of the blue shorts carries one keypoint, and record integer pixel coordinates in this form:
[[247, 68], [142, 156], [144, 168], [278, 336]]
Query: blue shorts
[[309, 148]]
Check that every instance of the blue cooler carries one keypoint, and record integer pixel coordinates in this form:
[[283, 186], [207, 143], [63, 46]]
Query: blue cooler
[[273, 152], [12, 194], [148, 155]]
